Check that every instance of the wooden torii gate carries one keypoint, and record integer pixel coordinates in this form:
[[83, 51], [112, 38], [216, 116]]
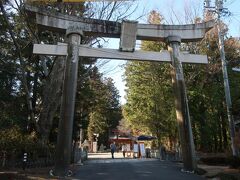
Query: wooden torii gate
[[128, 32]]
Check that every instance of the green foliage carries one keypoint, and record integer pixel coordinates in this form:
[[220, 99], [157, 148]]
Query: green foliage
[[149, 107], [206, 93], [13, 140], [215, 160], [31, 84], [105, 110], [228, 176], [234, 162], [149, 100]]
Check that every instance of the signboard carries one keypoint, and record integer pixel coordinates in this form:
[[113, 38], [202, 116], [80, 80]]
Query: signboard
[[94, 147], [128, 147], [128, 36], [135, 148], [142, 150]]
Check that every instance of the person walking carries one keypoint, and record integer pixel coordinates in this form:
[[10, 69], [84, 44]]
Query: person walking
[[163, 152], [113, 149]]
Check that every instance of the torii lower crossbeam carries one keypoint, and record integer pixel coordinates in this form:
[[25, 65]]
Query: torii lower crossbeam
[[86, 51]]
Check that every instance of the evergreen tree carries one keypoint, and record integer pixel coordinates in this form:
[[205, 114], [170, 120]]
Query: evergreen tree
[[105, 111], [149, 107]]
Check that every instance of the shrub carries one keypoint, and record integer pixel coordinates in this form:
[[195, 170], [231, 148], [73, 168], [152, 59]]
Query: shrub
[[234, 162], [214, 160], [13, 142]]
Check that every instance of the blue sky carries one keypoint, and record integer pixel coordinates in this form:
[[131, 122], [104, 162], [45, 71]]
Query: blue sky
[[114, 68]]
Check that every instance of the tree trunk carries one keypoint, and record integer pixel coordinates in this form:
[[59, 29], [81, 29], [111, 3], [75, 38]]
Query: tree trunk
[[204, 135], [220, 147], [224, 131], [52, 93], [215, 143]]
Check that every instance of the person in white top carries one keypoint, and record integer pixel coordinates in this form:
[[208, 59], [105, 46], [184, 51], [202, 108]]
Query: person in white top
[[124, 149]]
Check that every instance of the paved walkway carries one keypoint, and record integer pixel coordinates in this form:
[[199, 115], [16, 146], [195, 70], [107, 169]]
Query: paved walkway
[[105, 155], [100, 166], [105, 158], [118, 157], [130, 169]]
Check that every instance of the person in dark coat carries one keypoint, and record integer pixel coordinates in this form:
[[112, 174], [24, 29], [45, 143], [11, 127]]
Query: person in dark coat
[[113, 149]]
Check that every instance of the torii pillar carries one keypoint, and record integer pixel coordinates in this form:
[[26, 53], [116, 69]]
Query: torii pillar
[[181, 104], [64, 140]]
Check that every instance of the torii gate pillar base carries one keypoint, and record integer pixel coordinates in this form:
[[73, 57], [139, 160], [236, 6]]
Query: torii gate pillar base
[[64, 141], [181, 103]]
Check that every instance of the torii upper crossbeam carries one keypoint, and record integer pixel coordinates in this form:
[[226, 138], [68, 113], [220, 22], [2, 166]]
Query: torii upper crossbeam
[[95, 27]]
